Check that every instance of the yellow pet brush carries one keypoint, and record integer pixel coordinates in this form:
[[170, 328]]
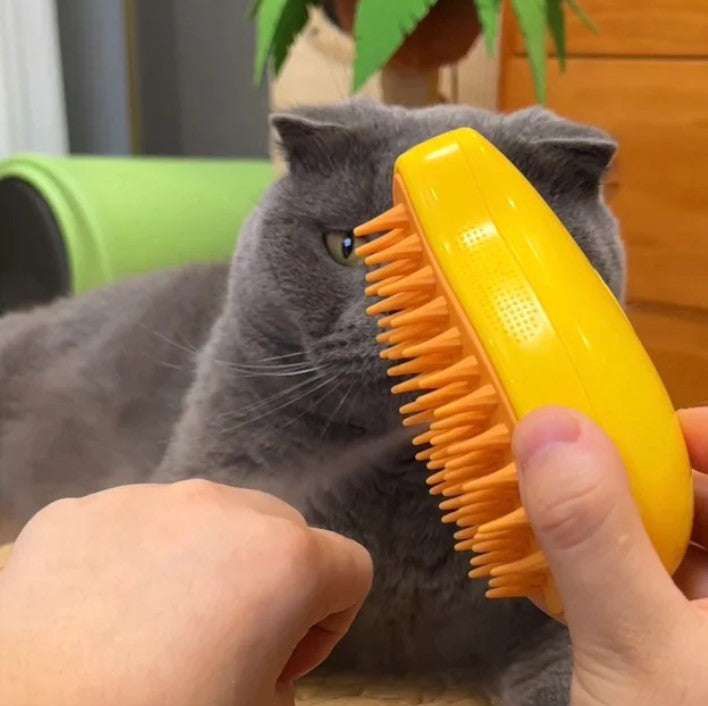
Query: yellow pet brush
[[490, 306]]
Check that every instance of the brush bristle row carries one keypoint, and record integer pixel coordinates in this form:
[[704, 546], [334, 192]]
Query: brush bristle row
[[467, 435]]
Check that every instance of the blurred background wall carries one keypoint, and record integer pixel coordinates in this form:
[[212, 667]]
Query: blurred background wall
[[193, 70], [92, 35], [164, 77]]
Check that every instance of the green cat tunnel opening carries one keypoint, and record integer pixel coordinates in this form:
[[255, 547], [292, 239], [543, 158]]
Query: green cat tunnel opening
[[70, 224]]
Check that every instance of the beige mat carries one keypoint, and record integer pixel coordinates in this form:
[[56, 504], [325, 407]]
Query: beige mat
[[352, 691]]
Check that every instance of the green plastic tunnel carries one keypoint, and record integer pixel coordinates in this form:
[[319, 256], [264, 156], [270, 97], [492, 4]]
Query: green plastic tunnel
[[70, 224]]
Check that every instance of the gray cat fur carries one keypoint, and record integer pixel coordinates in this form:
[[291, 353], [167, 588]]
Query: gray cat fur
[[266, 375]]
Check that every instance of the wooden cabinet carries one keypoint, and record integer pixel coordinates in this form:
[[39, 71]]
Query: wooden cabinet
[[644, 78], [634, 28]]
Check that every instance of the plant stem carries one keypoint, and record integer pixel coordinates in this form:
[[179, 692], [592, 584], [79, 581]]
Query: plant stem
[[409, 88]]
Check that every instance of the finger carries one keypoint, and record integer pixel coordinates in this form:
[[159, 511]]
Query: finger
[[317, 645], [344, 575], [576, 493], [695, 430], [692, 576], [700, 512], [346, 572]]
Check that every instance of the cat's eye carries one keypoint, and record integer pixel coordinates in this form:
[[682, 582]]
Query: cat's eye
[[341, 245]]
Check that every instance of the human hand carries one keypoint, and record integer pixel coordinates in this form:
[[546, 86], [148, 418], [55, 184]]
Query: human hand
[[184, 594], [638, 637]]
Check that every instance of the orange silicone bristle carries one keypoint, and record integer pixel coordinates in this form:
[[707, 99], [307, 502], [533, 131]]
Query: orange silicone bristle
[[465, 417]]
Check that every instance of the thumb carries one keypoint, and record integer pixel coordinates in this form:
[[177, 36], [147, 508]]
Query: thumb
[[576, 493]]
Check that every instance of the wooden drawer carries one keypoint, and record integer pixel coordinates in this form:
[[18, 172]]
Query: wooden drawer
[[658, 110], [677, 341], [634, 28]]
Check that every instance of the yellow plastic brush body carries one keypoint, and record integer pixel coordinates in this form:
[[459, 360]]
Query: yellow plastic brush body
[[544, 329]]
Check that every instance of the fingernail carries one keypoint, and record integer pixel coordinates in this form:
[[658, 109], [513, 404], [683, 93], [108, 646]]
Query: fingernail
[[700, 412], [542, 429]]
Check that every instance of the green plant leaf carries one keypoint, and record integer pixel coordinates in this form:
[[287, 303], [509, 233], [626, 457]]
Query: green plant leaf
[[380, 26], [531, 15], [556, 24], [268, 16], [253, 9], [278, 23], [488, 13], [293, 19], [575, 7]]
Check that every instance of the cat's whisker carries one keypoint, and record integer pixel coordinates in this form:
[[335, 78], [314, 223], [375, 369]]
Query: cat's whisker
[[274, 365], [167, 364], [260, 403], [352, 404], [263, 366], [282, 356], [337, 408], [281, 374], [288, 402], [309, 408], [270, 366], [274, 371], [261, 408], [181, 346]]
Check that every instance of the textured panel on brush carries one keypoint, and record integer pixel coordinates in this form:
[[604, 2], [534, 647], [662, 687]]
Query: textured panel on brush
[[521, 316]]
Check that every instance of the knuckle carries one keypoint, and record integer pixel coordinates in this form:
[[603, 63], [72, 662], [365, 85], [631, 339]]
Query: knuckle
[[51, 516], [270, 504], [574, 516], [196, 490], [299, 549], [57, 509]]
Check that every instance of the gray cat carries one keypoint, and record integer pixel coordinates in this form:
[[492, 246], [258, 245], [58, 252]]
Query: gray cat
[[265, 374]]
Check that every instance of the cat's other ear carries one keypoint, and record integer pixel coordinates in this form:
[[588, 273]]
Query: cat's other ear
[[307, 143], [579, 153]]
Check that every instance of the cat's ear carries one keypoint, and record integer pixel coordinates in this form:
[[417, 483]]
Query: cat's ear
[[586, 156], [580, 152], [307, 143]]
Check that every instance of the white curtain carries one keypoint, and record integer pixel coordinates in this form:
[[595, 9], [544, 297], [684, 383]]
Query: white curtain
[[32, 114]]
